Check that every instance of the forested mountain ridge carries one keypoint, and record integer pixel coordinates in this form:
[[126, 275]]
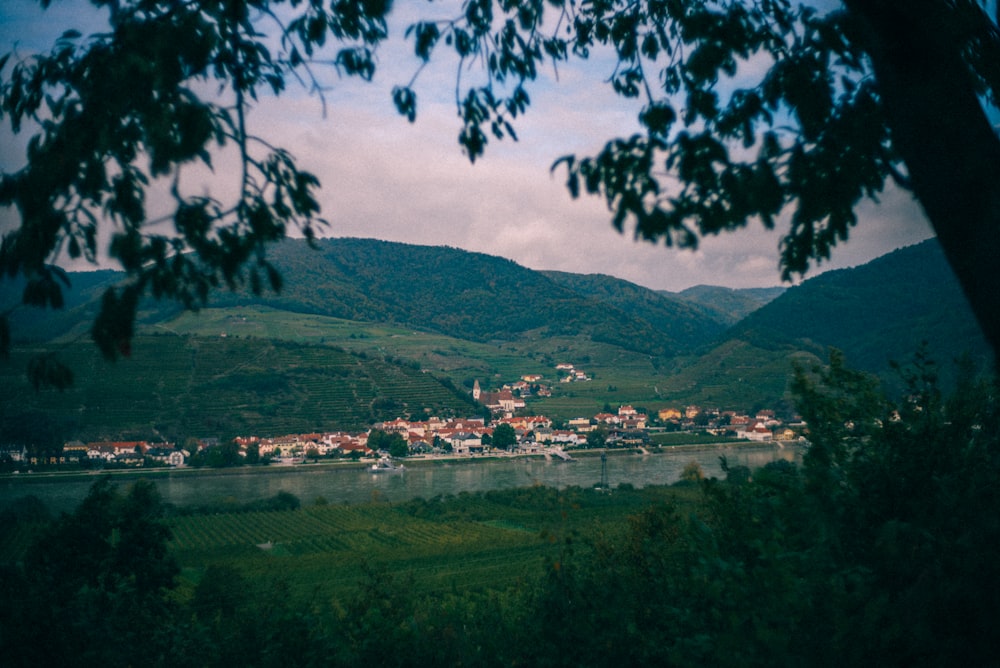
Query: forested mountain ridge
[[729, 305], [681, 319], [466, 295], [877, 313], [462, 294]]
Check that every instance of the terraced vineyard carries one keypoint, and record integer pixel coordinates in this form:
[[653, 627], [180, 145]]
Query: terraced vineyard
[[487, 540], [220, 386], [324, 548]]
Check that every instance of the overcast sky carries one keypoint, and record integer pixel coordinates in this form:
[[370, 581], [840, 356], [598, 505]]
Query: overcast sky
[[388, 179]]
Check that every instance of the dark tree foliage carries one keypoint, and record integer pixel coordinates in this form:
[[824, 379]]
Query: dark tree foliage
[[504, 437], [121, 112], [597, 437], [757, 110], [393, 443], [219, 456], [751, 112], [99, 579], [878, 551]]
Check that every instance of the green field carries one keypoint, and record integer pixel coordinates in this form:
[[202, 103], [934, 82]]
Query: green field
[[470, 541], [488, 540]]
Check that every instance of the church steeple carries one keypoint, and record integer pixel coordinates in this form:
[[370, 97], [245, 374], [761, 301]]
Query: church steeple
[[476, 390]]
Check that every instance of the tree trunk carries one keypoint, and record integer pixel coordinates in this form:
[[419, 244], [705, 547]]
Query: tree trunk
[[939, 128]]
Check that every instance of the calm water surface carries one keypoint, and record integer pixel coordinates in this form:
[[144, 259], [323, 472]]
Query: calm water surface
[[445, 477]]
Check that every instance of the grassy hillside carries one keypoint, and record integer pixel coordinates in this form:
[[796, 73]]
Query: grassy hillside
[[737, 374], [197, 386], [448, 291]]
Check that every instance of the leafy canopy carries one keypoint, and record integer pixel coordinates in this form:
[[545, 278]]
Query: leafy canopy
[[750, 107], [760, 110], [121, 112], [752, 110]]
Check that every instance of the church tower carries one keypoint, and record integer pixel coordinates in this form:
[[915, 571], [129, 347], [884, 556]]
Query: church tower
[[476, 390]]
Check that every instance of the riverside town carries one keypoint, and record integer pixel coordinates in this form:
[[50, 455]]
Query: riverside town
[[506, 433]]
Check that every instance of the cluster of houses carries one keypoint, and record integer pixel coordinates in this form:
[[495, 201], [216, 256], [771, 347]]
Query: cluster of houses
[[535, 433], [570, 374], [118, 453], [764, 425], [466, 436]]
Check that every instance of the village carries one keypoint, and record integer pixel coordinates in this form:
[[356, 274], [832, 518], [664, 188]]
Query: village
[[522, 434]]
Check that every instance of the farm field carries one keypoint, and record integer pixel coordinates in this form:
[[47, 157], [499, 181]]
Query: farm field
[[489, 540]]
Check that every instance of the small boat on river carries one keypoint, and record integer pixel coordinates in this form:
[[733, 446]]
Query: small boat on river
[[386, 465]]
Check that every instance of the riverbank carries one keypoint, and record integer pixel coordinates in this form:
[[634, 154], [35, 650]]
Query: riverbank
[[354, 483], [364, 464]]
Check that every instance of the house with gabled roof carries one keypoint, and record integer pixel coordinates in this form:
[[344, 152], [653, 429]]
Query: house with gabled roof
[[15, 453], [465, 443], [670, 414], [166, 455], [759, 432]]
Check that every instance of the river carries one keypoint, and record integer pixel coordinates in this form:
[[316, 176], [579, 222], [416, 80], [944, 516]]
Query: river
[[355, 485]]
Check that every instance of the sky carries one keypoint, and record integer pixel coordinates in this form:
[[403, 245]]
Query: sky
[[385, 178]]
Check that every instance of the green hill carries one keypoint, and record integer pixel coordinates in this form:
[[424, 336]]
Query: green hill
[[175, 387], [460, 294], [729, 305], [879, 313], [689, 325], [429, 313], [456, 293], [82, 302]]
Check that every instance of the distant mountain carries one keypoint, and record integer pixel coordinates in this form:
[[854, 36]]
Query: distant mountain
[[681, 320], [82, 302], [729, 305], [876, 314], [465, 295]]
